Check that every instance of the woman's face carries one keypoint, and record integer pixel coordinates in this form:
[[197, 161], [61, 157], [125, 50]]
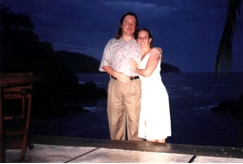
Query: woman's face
[[143, 39]]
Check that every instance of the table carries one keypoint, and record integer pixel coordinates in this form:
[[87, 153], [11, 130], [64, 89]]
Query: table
[[11, 79], [16, 79]]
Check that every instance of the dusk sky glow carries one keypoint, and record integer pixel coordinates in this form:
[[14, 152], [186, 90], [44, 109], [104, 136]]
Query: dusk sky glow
[[189, 31]]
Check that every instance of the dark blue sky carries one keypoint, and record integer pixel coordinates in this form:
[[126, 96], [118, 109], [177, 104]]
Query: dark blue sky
[[189, 31]]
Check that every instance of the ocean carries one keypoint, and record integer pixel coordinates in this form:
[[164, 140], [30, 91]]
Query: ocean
[[191, 95]]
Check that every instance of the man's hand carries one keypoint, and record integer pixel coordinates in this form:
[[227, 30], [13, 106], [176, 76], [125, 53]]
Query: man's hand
[[156, 52], [122, 77]]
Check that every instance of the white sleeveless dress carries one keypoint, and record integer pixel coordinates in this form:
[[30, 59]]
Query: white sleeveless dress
[[155, 121]]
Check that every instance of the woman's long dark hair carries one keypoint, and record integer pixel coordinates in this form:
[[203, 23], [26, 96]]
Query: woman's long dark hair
[[119, 31]]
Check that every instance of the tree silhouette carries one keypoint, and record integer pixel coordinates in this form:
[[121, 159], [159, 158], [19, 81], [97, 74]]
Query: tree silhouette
[[224, 54], [22, 51]]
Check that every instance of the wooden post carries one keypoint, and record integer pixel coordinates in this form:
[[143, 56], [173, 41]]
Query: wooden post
[[2, 146]]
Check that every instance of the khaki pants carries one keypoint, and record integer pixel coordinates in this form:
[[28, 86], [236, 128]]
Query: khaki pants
[[123, 109]]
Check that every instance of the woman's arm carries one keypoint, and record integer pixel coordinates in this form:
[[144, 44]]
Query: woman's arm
[[150, 67]]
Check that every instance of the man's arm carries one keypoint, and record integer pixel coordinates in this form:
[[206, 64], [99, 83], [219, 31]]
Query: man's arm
[[156, 51]]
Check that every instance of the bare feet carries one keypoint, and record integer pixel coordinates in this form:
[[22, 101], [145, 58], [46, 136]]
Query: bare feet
[[160, 140]]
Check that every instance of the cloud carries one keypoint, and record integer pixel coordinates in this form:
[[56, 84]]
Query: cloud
[[189, 31]]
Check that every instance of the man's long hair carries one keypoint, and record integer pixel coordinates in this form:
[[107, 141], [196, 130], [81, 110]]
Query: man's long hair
[[119, 31]]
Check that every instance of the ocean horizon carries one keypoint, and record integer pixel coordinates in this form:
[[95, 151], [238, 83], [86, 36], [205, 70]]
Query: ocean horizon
[[191, 95]]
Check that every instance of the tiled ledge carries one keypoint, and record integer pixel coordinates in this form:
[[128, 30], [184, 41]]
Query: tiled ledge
[[229, 152]]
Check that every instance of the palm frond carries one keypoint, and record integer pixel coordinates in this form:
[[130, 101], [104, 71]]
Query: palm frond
[[224, 59]]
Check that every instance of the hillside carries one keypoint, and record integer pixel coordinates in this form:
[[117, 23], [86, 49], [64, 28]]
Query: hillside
[[80, 63], [168, 68]]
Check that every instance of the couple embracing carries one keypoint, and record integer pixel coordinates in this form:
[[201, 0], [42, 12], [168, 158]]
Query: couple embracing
[[138, 102]]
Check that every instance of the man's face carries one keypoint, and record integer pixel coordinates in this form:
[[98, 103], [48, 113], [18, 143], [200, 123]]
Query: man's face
[[129, 25]]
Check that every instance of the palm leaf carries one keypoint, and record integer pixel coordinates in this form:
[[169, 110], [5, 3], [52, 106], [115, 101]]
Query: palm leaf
[[224, 60]]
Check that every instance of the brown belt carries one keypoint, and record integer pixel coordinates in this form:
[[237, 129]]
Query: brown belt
[[131, 78]]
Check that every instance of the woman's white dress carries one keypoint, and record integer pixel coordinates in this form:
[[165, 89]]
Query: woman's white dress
[[154, 122]]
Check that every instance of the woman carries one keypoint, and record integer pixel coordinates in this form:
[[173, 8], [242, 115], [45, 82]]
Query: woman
[[154, 122]]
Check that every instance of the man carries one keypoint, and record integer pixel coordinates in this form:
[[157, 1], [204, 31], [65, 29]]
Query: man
[[124, 89]]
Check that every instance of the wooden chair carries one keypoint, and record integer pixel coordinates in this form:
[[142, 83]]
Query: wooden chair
[[17, 106]]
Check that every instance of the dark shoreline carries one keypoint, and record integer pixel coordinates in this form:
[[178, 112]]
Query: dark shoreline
[[193, 122], [94, 125]]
